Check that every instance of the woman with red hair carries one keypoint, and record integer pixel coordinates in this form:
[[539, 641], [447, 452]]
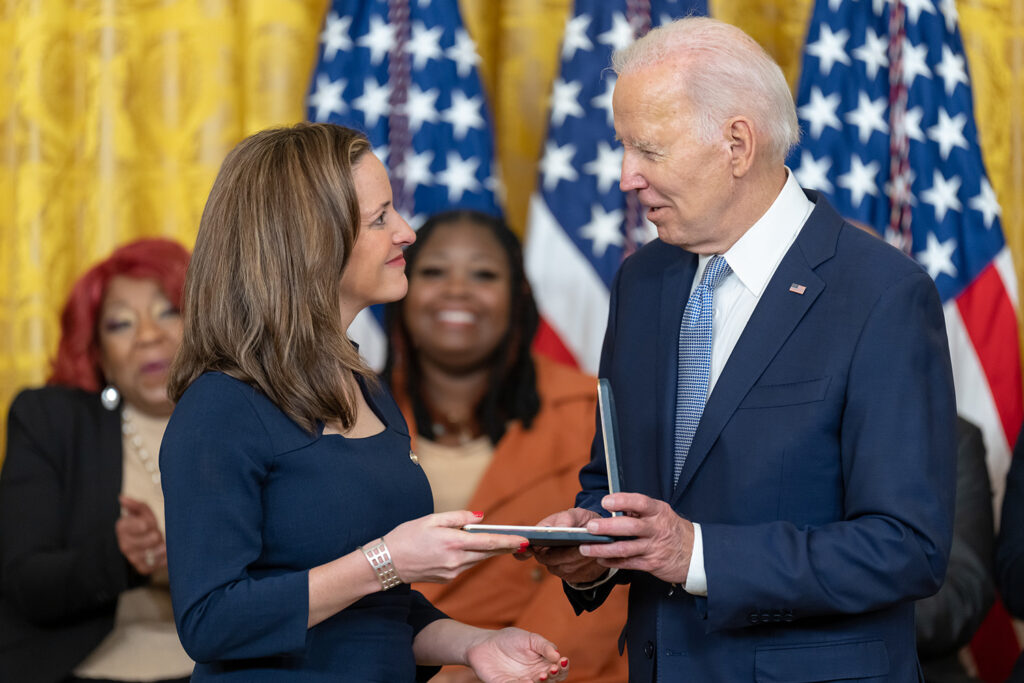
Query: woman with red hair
[[83, 579]]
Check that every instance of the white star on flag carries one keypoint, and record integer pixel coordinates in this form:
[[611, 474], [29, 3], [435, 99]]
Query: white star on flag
[[604, 229], [830, 48], [565, 101], [463, 114], [948, 10], [860, 179], [915, 62], [463, 53], [821, 112], [868, 116], [415, 170], [424, 44], [873, 53], [937, 257], [421, 107], [619, 35], [986, 203], [327, 97], [949, 132], [606, 167], [378, 40], [915, 7], [951, 70], [813, 174], [942, 194], [557, 164], [335, 35], [459, 176], [374, 102], [575, 37], [912, 124], [604, 100]]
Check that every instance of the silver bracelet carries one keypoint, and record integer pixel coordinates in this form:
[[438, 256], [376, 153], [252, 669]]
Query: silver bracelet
[[380, 559]]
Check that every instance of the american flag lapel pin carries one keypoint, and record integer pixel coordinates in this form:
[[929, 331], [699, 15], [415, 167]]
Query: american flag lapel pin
[[797, 288]]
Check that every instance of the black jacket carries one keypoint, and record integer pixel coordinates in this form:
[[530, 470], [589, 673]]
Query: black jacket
[[60, 568]]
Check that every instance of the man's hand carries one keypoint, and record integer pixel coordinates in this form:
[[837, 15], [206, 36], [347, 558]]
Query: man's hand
[[663, 543], [566, 562]]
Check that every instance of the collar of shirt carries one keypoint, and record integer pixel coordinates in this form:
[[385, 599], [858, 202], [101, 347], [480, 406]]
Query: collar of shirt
[[755, 256]]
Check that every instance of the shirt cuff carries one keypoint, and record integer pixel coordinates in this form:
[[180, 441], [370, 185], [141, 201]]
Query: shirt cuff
[[696, 579], [593, 584]]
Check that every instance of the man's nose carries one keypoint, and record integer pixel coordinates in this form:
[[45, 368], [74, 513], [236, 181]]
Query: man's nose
[[631, 179]]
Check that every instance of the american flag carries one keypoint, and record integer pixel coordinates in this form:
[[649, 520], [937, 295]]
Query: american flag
[[889, 136], [406, 73], [581, 225]]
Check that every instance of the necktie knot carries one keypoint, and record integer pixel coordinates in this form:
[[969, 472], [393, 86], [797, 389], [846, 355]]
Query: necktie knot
[[715, 271]]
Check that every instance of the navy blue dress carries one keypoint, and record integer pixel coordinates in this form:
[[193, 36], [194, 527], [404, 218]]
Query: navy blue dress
[[252, 503]]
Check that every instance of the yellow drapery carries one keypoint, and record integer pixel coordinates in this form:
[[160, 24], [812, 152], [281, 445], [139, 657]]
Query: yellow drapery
[[115, 115]]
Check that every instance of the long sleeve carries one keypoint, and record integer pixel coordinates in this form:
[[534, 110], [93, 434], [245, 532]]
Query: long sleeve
[[57, 565], [898, 478], [215, 456]]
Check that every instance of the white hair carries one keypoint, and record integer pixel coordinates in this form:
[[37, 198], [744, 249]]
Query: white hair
[[724, 73]]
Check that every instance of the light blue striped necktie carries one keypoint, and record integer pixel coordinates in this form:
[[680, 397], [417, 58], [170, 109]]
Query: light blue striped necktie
[[694, 370]]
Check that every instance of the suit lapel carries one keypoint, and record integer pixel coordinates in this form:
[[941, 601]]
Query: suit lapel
[[675, 291], [772, 322]]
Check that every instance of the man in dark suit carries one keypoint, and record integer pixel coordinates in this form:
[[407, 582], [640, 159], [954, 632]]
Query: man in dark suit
[[785, 397]]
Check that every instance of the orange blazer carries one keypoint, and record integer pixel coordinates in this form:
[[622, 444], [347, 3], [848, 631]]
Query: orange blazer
[[533, 474]]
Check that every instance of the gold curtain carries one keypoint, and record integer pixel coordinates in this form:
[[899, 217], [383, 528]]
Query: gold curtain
[[115, 115], [114, 118]]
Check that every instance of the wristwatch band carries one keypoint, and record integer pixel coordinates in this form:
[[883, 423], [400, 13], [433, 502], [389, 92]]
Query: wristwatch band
[[380, 559]]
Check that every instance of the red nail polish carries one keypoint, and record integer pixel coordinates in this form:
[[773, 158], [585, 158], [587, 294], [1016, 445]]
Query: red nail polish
[[564, 662], [523, 547], [478, 514]]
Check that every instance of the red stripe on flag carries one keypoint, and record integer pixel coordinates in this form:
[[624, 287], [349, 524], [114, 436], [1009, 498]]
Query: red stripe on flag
[[991, 324], [548, 343], [994, 646]]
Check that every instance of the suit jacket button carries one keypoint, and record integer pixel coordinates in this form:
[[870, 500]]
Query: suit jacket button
[[787, 616], [753, 617], [649, 650], [766, 617]]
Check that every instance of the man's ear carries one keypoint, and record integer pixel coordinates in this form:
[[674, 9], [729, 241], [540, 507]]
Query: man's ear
[[739, 135]]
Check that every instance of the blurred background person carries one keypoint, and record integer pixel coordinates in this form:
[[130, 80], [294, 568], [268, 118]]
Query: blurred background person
[[83, 571], [495, 428], [1010, 546], [297, 514], [946, 621]]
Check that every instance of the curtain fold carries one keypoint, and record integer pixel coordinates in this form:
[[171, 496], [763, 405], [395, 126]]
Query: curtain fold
[[116, 114]]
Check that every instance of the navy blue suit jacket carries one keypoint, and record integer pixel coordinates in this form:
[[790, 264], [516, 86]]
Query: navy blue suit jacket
[[822, 472]]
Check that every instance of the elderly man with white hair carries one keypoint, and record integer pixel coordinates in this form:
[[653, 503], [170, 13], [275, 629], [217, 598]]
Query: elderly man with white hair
[[784, 393]]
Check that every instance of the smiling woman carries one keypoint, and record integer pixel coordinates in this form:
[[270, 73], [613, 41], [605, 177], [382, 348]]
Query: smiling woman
[[495, 427], [82, 553], [296, 515]]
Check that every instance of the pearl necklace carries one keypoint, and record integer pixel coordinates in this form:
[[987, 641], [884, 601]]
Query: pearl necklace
[[129, 429]]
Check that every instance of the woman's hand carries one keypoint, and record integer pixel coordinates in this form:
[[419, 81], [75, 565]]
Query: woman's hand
[[139, 537], [513, 654], [436, 549]]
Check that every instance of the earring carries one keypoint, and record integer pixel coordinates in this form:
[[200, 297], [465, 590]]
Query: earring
[[110, 397]]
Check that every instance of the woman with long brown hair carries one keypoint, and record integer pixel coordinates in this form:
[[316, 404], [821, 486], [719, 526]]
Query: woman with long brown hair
[[297, 514]]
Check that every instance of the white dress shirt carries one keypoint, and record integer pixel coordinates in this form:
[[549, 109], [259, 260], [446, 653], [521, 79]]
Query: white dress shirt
[[753, 259]]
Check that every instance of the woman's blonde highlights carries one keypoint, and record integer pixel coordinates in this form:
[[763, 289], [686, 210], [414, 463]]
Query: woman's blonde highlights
[[262, 294]]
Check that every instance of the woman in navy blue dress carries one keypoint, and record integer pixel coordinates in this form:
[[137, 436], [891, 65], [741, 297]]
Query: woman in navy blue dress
[[297, 514]]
